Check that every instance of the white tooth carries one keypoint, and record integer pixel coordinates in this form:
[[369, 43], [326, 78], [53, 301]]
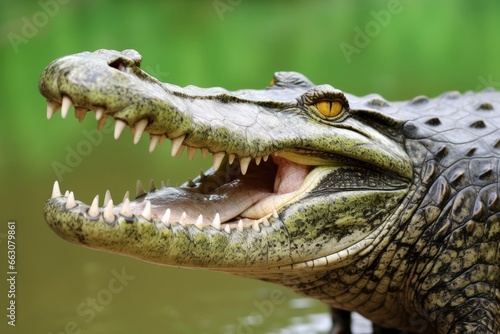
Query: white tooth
[[154, 139], [108, 214], [119, 126], [126, 196], [66, 104], [102, 122], [125, 210], [162, 184], [166, 217], [216, 222], [66, 194], [244, 162], [191, 152], [56, 191], [256, 226], [107, 198], [218, 158], [265, 157], [99, 113], [80, 113], [231, 158], [240, 226], [204, 152], [227, 229], [257, 160], [146, 213], [139, 129], [182, 221], [275, 214], [199, 222], [70, 202], [94, 208], [177, 144], [265, 222], [139, 189], [52, 107]]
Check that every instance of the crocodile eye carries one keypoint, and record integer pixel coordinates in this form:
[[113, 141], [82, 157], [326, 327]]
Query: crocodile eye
[[329, 109]]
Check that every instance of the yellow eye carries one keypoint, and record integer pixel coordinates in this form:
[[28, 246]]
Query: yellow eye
[[329, 108]]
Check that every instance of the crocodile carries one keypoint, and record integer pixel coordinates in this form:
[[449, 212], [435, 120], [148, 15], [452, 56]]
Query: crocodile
[[389, 209]]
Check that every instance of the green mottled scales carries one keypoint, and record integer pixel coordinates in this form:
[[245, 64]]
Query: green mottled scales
[[390, 209]]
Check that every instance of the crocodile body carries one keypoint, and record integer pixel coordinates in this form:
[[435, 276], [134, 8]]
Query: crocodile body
[[390, 209]]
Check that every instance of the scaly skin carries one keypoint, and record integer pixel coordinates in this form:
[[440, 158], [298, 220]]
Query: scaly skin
[[390, 209]]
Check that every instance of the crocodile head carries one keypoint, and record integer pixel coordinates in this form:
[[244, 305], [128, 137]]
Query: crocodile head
[[304, 177]]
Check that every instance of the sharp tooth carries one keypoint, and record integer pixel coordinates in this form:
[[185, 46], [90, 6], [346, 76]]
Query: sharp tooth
[[180, 151], [56, 191], [182, 221], [257, 160], [80, 113], [94, 207], [119, 126], [139, 129], [52, 107], [177, 144], [139, 189], [154, 139], [146, 213], [227, 229], [125, 210], [275, 214], [152, 186], [199, 222], [191, 183], [107, 198], [102, 122], [66, 193], [191, 152], [166, 217], [66, 104], [202, 175], [265, 157], [256, 226], [163, 137], [231, 158], [244, 162], [70, 202], [162, 184], [216, 222], [218, 158], [108, 214], [265, 221], [240, 226], [126, 196], [99, 113], [204, 152]]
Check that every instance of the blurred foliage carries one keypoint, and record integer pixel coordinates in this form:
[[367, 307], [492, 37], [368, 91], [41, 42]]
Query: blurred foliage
[[421, 47]]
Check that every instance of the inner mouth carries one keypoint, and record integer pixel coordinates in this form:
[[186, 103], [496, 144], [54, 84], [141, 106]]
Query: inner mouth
[[227, 193], [238, 192]]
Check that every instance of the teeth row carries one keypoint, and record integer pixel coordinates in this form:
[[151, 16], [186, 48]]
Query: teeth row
[[109, 216], [138, 129]]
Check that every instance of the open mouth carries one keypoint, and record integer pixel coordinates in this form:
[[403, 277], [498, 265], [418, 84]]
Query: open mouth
[[237, 193]]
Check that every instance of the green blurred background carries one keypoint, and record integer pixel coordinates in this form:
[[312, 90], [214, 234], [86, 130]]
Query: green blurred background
[[398, 49]]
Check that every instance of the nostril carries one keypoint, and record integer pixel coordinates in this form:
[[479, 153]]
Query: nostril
[[118, 64]]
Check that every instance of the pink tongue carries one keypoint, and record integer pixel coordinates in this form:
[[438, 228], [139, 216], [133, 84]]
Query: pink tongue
[[289, 176]]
